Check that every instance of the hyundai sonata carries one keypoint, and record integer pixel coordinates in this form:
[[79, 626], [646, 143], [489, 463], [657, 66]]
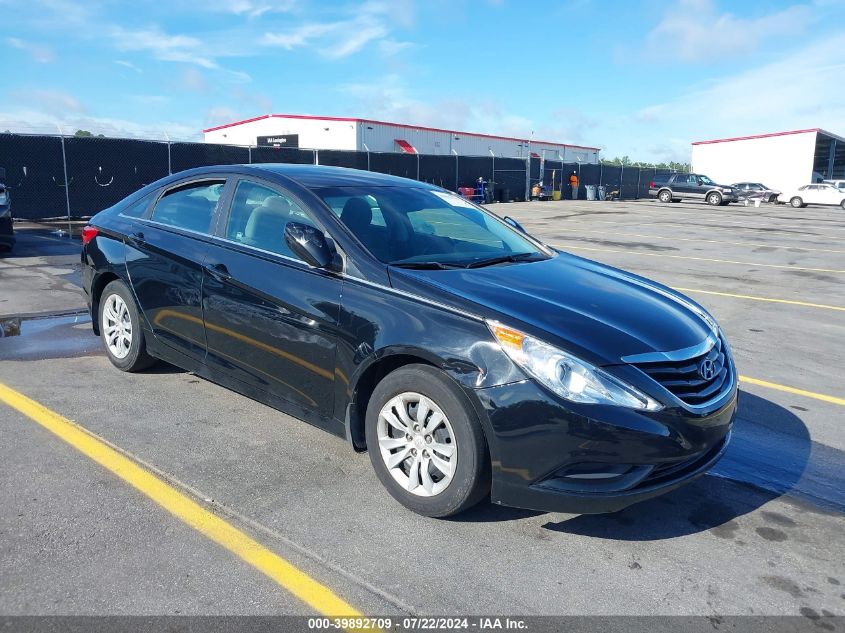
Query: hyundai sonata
[[467, 357]]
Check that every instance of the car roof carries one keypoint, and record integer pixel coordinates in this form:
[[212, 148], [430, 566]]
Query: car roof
[[317, 176]]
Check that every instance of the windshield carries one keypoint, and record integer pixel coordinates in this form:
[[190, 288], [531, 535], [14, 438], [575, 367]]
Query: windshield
[[425, 228]]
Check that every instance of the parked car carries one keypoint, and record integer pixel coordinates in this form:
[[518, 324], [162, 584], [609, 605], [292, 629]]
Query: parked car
[[755, 190], [7, 231], [468, 357], [820, 193], [696, 186], [839, 184]]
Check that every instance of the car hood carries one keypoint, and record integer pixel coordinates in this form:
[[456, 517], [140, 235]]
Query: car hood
[[597, 311]]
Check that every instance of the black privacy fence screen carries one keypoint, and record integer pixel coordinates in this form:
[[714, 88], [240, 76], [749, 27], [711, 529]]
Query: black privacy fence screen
[[75, 177]]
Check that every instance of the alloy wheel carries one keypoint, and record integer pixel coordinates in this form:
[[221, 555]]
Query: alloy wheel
[[117, 326], [417, 444]]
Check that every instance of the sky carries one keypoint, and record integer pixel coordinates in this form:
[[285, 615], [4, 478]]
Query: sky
[[640, 78]]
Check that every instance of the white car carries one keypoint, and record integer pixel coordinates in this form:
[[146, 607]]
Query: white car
[[821, 193]]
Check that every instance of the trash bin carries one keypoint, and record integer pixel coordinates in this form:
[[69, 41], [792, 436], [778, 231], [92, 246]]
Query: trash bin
[[602, 192], [591, 192], [555, 195]]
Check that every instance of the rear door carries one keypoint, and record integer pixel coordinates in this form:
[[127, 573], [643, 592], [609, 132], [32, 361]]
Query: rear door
[[164, 259], [270, 318], [682, 185]]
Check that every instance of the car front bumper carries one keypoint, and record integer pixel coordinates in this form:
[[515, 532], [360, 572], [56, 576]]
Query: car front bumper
[[542, 448]]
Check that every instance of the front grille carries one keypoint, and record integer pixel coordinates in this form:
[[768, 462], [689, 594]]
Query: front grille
[[684, 379]]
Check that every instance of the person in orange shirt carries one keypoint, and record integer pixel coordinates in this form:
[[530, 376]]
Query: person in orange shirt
[[573, 182]]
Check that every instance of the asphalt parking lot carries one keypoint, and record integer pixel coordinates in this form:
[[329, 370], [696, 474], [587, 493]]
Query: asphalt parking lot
[[761, 535]]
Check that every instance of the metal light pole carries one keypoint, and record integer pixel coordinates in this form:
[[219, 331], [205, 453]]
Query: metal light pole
[[67, 184], [456, 169], [493, 173]]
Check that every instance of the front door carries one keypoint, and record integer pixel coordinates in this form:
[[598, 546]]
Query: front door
[[164, 260], [270, 318]]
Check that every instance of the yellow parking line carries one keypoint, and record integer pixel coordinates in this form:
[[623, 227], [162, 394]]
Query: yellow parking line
[[311, 592], [797, 392], [701, 259], [694, 239], [754, 298]]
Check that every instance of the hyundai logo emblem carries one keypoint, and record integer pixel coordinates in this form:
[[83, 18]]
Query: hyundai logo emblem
[[707, 369]]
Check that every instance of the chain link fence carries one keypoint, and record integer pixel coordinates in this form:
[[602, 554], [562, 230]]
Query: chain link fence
[[54, 176]]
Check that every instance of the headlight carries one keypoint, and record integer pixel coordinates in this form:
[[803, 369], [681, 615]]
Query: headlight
[[569, 377]]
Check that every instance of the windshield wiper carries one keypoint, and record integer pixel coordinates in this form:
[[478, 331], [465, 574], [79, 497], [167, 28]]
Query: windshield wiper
[[501, 259], [423, 265]]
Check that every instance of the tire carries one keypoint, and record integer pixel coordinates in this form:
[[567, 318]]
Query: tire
[[796, 202], [665, 196], [456, 426], [120, 323], [842, 204], [714, 199]]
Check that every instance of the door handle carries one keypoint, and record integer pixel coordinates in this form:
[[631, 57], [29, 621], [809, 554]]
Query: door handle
[[219, 271]]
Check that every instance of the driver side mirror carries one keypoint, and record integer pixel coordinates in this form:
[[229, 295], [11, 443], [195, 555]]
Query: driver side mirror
[[515, 224], [310, 244]]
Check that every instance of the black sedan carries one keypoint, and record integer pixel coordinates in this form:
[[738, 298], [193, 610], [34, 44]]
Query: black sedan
[[467, 357]]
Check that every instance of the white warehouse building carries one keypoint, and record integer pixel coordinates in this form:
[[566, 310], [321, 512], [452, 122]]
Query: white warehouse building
[[341, 133], [782, 160]]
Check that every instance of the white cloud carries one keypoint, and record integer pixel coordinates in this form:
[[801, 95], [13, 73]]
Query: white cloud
[[390, 99], [695, 31], [36, 121], [372, 21], [129, 65], [40, 53], [171, 48], [51, 102], [795, 92]]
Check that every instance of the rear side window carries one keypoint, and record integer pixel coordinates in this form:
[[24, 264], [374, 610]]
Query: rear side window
[[137, 209], [189, 206]]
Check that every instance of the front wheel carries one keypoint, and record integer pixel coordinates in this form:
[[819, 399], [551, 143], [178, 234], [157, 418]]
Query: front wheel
[[796, 202], [425, 442], [843, 205], [120, 328], [714, 199]]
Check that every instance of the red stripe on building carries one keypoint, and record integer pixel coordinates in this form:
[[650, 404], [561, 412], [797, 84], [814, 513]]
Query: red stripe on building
[[406, 146]]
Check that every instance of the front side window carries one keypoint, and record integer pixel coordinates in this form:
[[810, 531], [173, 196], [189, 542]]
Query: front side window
[[259, 216], [411, 226], [705, 180], [190, 206]]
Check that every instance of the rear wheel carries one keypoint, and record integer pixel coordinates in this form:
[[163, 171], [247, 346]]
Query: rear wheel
[[796, 202], [120, 329], [842, 204], [714, 199], [665, 196], [425, 442]]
